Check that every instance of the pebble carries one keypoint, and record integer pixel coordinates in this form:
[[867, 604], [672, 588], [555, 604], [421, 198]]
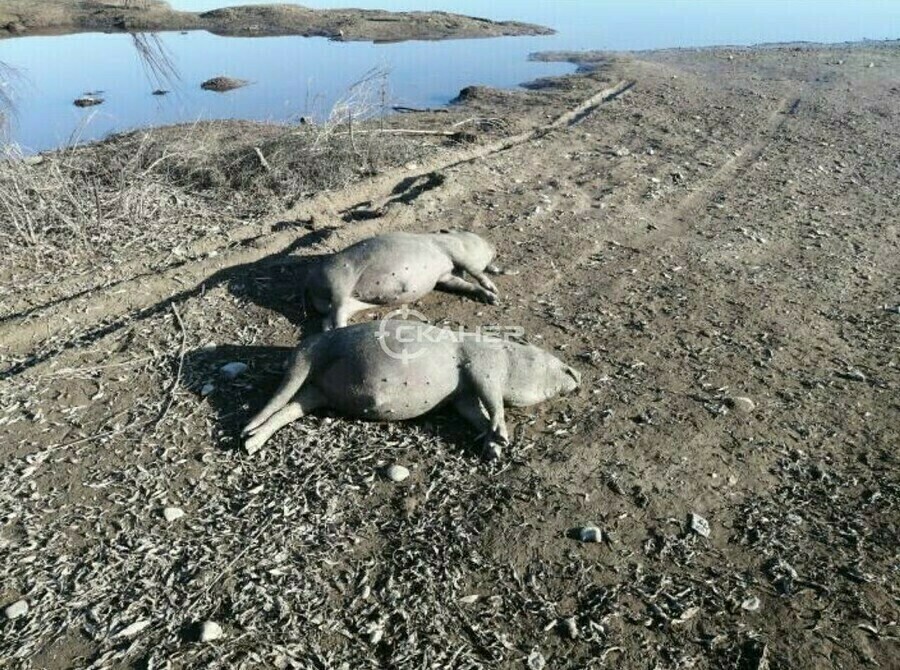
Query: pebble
[[232, 370], [17, 609], [699, 525], [396, 473], [133, 629], [751, 604], [571, 628], [209, 631], [590, 534], [207, 389], [171, 514], [742, 404]]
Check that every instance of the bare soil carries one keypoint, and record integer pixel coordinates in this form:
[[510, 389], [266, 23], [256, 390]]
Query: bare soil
[[26, 17], [691, 228]]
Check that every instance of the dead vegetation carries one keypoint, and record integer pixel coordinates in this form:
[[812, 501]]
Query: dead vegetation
[[155, 190]]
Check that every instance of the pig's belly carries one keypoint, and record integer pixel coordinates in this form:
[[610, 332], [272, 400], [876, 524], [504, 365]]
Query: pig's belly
[[387, 389], [388, 280]]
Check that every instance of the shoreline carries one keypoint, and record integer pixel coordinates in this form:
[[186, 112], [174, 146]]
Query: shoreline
[[22, 18]]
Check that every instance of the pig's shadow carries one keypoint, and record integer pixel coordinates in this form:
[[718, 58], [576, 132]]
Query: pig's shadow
[[278, 283], [235, 400]]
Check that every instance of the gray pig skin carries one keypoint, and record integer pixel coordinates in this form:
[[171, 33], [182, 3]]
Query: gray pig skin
[[399, 268], [360, 371]]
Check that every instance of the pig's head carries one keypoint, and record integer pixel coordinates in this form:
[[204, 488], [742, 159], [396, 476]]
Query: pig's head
[[477, 251], [534, 375]]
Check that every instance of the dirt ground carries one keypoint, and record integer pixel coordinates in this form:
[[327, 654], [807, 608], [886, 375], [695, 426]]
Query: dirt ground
[[710, 236], [27, 17]]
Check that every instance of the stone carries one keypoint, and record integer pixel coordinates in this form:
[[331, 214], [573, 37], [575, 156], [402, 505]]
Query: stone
[[171, 514], [699, 525], [232, 370], [396, 473], [209, 631], [17, 609], [590, 534], [741, 404]]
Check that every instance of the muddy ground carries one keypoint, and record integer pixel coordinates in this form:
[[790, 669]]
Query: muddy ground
[[26, 17], [692, 229]]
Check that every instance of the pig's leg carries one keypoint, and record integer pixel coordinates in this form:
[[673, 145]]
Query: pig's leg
[[487, 383], [306, 400], [341, 314], [481, 278], [450, 282]]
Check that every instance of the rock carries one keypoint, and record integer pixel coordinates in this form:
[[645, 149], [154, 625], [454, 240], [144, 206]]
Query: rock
[[87, 101], [590, 534], [133, 629], [207, 388], [209, 631], [171, 514], [741, 404], [17, 609], [468, 600], [221, 84], [396, 473], [699, 525], [750, 604], [232, 370]]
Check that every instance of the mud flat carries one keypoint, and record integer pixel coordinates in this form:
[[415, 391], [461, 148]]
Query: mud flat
[[710, 236], [25, 17]]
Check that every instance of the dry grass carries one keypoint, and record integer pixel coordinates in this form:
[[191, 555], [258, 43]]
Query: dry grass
[[151, 191]]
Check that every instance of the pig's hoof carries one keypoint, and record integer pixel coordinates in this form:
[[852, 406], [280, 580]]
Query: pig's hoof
[[492, 452], [253, 444], [491, 298]]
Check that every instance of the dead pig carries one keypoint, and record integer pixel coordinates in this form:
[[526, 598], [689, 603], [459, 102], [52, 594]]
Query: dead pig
[[396, 370], [399, 268]]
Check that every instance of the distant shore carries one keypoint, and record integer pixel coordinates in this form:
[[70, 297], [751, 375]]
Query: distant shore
[[20, 18]]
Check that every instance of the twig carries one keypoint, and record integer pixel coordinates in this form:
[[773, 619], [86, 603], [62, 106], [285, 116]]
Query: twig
[[262, 159]]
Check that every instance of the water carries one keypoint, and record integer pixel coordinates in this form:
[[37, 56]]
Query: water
[[296, 76]]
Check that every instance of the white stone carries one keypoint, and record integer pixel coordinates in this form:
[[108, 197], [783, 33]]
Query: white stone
[[699, 525], [133, 629], [171, 514], [396, 473], [17, 609], [590, 534], [208, 388], [210, 630], [742, 404]]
